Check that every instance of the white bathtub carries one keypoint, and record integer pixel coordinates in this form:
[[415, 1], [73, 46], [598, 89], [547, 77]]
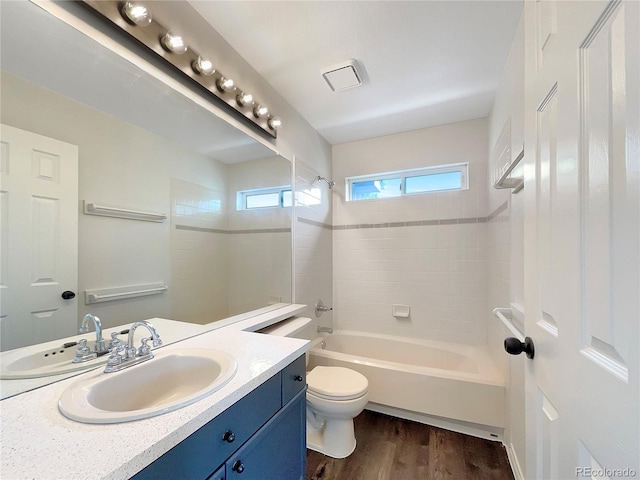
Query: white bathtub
[[448, 380]]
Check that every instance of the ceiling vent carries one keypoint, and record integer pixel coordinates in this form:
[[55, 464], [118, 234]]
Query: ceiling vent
[[343, 76]]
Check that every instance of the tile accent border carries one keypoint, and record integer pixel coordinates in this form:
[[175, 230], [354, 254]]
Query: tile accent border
[[232, 232], [414, 223]]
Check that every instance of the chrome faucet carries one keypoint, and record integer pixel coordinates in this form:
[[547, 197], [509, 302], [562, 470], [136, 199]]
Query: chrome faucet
[[322, 329], [123, 357], [99, 347]]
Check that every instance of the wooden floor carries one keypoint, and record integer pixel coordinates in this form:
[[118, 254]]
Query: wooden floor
[[390, 448]]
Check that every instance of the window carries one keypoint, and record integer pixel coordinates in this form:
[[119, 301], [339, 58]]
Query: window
[[274, 197], [409, 182]]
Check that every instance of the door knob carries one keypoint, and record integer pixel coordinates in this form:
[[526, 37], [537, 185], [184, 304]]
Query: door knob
[[514, 346], [68, 295]]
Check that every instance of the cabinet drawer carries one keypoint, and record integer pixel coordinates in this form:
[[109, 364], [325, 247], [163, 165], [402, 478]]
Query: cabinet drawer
[[294, 379], [207, 448]]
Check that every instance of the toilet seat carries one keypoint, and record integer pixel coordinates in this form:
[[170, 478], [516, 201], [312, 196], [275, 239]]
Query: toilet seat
[[336, 383]]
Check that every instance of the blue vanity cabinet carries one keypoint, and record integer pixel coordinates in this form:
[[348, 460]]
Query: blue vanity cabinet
[[267, 427], [278, 450]]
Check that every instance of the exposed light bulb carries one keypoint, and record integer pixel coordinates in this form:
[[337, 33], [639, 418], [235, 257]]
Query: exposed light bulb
[[274, 123], [203, 66], [174, 43], [136, 13], [244, 99], [260, 111], [226, 84]]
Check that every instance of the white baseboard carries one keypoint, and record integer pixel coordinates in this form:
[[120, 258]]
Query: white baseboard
[[475, 430], [513, 461]]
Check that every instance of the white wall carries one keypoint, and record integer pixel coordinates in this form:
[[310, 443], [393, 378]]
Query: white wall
[[382, 258], [505, 244]]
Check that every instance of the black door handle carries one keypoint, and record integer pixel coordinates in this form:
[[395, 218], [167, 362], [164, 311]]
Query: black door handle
[[514, 346], [68, 295]]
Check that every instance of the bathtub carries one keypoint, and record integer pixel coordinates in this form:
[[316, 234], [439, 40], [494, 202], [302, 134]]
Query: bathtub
[[447, 380]]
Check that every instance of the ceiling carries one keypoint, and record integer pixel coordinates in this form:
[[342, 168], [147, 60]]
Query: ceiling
[[424, 63]]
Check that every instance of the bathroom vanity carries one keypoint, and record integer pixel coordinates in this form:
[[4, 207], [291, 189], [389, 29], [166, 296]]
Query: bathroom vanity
[[255, 423], [261, 436]]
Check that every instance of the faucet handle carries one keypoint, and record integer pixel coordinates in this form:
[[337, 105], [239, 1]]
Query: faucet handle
[[82, 347], [115, 358], [115, 341], [144, 349], [83, 352]]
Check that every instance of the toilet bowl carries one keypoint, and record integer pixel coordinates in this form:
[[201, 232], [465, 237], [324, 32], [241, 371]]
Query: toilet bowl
[[335, 396]]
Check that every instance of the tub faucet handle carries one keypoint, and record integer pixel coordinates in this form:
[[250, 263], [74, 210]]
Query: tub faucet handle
[[321, 308]]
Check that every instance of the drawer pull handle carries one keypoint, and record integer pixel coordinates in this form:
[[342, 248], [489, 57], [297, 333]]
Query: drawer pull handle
[[298, 378], [238, 466], [229, 436]]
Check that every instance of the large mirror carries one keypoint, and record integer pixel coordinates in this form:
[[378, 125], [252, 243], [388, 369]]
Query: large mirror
[[172, 211]]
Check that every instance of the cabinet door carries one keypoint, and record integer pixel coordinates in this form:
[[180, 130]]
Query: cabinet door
[[218, 474], [278, 450], [293, 379]]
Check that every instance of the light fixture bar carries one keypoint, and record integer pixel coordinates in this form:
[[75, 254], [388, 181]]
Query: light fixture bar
[[189, 62]]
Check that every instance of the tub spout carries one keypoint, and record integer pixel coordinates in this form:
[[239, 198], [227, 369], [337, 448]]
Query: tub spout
[[322, 329]]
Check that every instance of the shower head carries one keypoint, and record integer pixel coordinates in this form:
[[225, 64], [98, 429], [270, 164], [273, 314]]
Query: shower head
[[329, 182]]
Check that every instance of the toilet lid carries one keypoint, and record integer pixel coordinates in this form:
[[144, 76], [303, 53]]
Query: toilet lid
[[337, 382]]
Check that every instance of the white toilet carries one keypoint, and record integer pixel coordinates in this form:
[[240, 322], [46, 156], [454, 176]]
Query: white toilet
[[335, 396]]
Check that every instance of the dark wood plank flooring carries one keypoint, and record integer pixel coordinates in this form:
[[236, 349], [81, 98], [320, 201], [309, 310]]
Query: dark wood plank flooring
[[390, 448]]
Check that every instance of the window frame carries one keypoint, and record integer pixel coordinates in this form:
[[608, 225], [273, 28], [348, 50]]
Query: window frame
[[242, 195], [462, 168]]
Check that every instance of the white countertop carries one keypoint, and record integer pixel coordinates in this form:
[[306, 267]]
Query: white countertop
[[38, 442]]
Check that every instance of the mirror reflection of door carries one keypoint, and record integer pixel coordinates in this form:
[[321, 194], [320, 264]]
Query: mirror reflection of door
[[39, 215]]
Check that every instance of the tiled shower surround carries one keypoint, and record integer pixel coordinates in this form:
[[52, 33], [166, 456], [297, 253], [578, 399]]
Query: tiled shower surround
[[427, 251], [439, 270]]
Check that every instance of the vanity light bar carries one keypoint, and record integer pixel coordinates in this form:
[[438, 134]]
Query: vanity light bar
[[135, 19]]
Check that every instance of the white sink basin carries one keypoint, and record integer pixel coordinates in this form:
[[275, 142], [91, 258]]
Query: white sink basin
[[44, 362], [171, 380]]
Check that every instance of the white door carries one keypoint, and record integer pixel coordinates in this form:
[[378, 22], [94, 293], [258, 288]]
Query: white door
[[582, 245], [39, 240]]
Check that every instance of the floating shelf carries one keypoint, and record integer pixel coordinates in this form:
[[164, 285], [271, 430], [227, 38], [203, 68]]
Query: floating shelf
[[512, 176], [122, 293], [106, 211]]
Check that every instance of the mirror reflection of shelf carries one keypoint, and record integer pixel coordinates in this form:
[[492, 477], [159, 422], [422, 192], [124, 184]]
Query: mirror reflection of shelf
[[105, 211], [513, 176], [122, 293]]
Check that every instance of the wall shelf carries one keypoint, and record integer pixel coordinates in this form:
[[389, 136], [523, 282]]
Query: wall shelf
[[513, 176]]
